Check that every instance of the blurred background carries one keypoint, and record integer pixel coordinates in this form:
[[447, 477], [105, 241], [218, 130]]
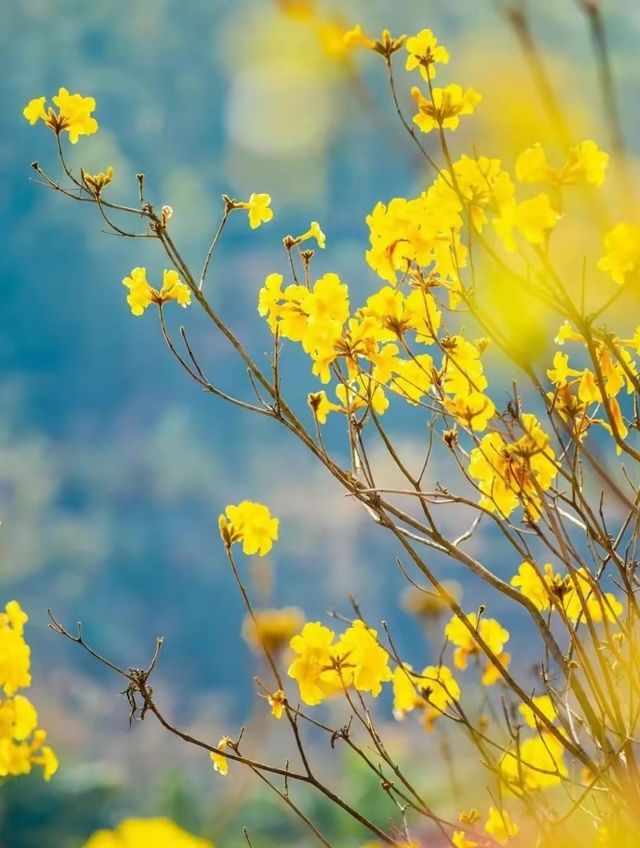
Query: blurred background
[[113, 466]]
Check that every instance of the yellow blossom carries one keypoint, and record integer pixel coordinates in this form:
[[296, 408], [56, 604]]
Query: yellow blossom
[[220, 762], [277, 702], [460, 840], [258, 207], [313, 668], [585, 163], [146, 833], [358, 649], [250, 523], [621, 252], [314, 232], [534, 219], [500, 825], [73, 115], [446, 107], [546, 707], [356, 37], [142, 294], [321, 406], [493, 634], [475, 410], [512, 473], [424, 53], [413, 377], [271, 630], [537, 764], [536, 587]]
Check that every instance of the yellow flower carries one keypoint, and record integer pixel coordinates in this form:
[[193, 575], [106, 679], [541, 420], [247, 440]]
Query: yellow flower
[[494, 635], [314, 232], [424, 53], [258, 207], [500, 825], [582, 593], [73, 115], [15, 657], [414, 377], [356, 38], [460, 840], [546, 707], [321, 406], [277, 702], [250, 523], [360, 394], [359, 650], [512, 473], [585, 163], [445, 109], [34, 111], [146, 833], [96, 182], [621, 252], [538, 764], [475, 410], [220, 762], [313, 668], [432, 692], [142, 294], [534, 219], [536, 587], [271, 630]]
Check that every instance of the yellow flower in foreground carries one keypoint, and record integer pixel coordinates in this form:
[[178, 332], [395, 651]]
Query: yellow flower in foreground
[[314, 232], [621, 252], [220, 763], [535, 586], [313, 668], [512, 473], [142, 294], [432, 691], [258, 207], [146, 833], [250, 523], [73, 115], [500, 825], [424, 53], [445, 109], [15, 654], [359, 650]]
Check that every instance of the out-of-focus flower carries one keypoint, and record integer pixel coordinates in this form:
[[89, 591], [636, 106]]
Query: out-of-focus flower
[[537, 764], [250, 523], [146, 833], [585, 163], [500, 825], [621, 256], [534, 219], [73, 115], [271, 630], [493, 634]]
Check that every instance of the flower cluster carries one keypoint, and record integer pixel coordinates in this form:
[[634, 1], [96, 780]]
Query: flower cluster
[[22, 743], [142, 294], [73, 114], [324, 667]]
